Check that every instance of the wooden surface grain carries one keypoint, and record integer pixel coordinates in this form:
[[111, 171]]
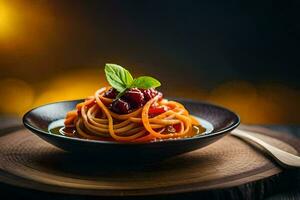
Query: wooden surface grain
[[208, 168]]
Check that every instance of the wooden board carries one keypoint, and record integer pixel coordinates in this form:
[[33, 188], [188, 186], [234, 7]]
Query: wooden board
[[27, 161]]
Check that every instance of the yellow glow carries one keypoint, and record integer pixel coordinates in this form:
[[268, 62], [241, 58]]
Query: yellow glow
[[16, 96], [26, 26], [240, 96], [258, 105], [7, 20], [72, 85], [255, 104]]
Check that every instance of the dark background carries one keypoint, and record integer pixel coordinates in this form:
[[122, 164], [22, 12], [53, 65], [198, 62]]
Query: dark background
[[240, 54]]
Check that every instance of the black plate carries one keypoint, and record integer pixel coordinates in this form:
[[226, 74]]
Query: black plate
[[221, 119]]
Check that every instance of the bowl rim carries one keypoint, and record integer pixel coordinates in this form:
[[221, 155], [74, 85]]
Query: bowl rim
[[235, 124]]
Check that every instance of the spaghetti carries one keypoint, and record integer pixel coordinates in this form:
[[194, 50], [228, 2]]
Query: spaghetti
[[94, 119]]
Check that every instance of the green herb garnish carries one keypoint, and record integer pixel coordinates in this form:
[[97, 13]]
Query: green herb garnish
[[121, 79]]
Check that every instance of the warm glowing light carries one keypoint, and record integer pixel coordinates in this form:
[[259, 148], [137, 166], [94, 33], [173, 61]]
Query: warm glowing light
[[16, 96], [258, 105], [26, 26], [262, 104], [240, 96], [72, 85], [7, 21]]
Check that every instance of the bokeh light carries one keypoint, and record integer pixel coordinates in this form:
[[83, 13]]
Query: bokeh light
[[71, 85], [263, 104], [243, 98], [7, 21], [17, 96], [51, 51], [238, 96], [25, 27]]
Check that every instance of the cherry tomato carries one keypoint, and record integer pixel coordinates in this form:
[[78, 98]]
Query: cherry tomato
[[156, 111]]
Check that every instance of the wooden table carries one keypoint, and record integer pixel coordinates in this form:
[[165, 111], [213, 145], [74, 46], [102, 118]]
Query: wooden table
[[287, 184]]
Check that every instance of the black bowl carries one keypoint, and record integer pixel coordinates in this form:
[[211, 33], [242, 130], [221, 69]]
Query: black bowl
[[217, 120]]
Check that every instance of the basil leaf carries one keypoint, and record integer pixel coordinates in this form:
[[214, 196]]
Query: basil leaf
[[118, 77], [145, 82], [121, 79]]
